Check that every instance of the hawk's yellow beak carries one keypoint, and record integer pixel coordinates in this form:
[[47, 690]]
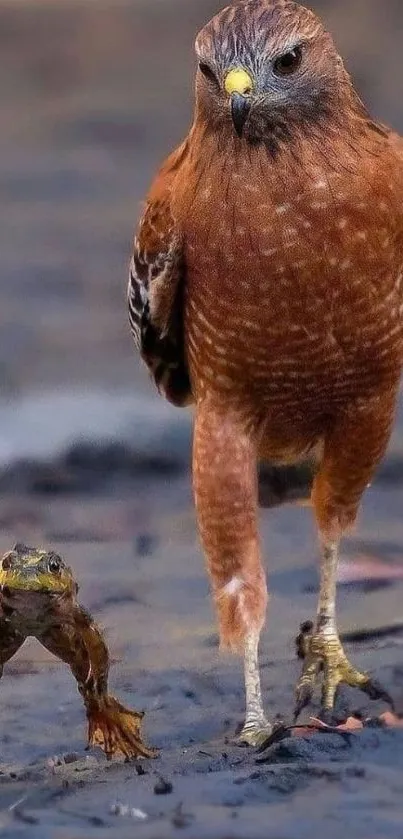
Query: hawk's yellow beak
[[238, 81]]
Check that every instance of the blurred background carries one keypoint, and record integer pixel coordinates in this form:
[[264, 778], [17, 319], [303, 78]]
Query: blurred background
[[93, 95]]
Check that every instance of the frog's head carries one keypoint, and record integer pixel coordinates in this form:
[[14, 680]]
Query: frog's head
[[32, 569]]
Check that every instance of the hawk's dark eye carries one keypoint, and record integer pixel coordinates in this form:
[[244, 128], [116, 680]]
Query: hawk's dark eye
[[207, 72], [288, 63], [54, 564]]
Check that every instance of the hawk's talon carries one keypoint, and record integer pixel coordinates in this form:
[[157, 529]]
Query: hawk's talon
[[325, 652], [375, 690], [279, 732], [255, 733], [303, 696]]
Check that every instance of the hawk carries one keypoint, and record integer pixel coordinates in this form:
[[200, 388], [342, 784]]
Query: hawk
[[266, 290]]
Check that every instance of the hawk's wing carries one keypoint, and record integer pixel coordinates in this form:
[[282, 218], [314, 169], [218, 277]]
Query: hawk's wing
[[155, 292]]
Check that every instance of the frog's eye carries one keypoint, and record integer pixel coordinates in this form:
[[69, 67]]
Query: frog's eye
[[7, 562], [54, 564]]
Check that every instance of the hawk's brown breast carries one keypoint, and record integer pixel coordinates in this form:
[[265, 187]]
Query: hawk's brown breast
[[293, 287]]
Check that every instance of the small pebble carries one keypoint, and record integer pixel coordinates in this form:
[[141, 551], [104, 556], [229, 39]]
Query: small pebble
[[119, 809], [70, 757], [60, 760], [163, 787], [56, 760], [138, 814]]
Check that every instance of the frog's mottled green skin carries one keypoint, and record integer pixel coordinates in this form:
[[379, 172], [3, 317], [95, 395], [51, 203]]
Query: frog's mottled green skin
[[30, 569], [38, 597]]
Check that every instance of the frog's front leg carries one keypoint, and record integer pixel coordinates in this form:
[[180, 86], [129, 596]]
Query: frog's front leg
[[115, 728], [10, 642]]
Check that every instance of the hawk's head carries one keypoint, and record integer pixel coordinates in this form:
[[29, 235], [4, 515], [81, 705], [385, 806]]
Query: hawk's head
[[266, 68]]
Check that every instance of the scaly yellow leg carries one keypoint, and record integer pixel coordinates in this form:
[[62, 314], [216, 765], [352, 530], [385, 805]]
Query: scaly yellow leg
[[256, 728], [321, 650]]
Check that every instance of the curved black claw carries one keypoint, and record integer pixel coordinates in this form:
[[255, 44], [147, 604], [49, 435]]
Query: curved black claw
[[304, 695], [303, 638], [375, 690], [280, 731], [284, 732]]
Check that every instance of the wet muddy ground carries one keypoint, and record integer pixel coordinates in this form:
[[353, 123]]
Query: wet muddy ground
[[93, 463], [141, 574]]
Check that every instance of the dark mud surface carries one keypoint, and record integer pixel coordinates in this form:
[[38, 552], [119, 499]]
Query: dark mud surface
[[93, 94], [141, 574]]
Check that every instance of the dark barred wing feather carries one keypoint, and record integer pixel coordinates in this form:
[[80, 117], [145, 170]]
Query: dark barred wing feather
[[160, 344], [137, 298], [155, 299]]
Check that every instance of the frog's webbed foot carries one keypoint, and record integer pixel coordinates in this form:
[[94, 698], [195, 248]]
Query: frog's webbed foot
[[116, 729]]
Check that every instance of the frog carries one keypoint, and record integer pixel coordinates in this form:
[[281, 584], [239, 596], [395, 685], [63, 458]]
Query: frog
[[38, 597]]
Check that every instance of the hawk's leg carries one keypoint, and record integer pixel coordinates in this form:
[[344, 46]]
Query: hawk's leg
[[320, 647], [256, 727], [225, 484], [348, 464]]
